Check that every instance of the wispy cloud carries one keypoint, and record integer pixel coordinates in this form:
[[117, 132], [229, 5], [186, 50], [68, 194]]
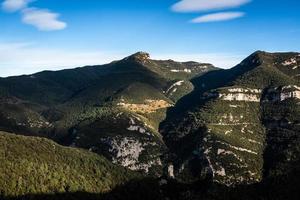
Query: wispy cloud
[[216, 17], [186, 6], [27, 58], [14, 5], [206, 5], [42, 19]]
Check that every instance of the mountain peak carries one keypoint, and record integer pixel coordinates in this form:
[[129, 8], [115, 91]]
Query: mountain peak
[[259, 52], [139, 56], [268, 58], [257, 58]]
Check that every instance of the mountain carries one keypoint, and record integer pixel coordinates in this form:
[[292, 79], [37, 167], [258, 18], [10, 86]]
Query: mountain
[[113, 110], [32, 165], [181, 130], [242, 126]]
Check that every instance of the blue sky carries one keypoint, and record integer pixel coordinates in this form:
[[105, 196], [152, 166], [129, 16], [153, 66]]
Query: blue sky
[[54, 34]]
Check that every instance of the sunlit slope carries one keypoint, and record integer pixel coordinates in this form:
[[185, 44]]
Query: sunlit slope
[[31, 165], [111, 109]]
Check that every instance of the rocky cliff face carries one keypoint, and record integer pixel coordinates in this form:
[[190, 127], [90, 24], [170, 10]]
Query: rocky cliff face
[[236, 128], [113, 110], [230, 139], [281, 106], [125, 139], [228, 135]]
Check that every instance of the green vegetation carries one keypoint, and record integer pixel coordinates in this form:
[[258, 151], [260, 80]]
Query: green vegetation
[[223, 134], [244, 132], [82, 107], [31, 165]]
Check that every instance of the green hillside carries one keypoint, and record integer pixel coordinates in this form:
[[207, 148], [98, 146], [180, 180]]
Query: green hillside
[[31, 165], [240, 125], [196, 131], [101, 108]]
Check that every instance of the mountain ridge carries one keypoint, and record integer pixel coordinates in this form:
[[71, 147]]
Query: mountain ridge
[[63, 105], [227, 119], [185, 122]]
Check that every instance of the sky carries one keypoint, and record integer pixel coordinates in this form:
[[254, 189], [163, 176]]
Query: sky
[[38, 35]]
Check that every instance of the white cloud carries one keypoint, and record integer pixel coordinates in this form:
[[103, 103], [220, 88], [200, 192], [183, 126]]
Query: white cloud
[[206, 5], [14, 5], [216, 17], [42, 19]]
